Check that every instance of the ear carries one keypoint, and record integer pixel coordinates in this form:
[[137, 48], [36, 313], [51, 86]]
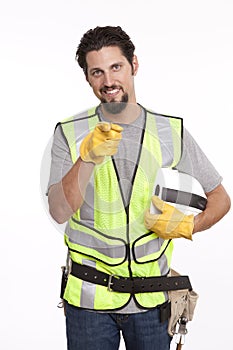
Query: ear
[[135, 65]]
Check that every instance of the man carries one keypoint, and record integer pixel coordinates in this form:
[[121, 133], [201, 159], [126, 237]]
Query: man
[[104, 166]]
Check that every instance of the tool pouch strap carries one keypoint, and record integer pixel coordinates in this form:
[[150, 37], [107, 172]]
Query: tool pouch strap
[[130, 285], [63, 281]]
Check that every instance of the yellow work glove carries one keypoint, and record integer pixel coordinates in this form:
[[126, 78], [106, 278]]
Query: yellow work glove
[[171, 223], [102, 141]]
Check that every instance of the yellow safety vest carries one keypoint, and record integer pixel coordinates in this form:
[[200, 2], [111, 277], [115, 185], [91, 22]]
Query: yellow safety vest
[[106, 234]]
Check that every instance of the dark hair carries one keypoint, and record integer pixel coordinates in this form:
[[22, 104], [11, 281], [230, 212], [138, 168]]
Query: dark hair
[[99, 37]]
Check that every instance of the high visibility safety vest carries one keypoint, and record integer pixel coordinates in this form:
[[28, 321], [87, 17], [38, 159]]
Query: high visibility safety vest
[[110, 236]]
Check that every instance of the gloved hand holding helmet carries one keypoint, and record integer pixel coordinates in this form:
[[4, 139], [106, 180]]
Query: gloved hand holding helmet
[[178, 198], [102, 141], [171, 223]]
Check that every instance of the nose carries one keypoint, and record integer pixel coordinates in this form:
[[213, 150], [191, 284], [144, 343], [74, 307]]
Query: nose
[[108, 79]]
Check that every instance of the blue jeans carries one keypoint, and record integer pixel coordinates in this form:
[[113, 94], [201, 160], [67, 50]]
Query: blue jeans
[[88, 330]]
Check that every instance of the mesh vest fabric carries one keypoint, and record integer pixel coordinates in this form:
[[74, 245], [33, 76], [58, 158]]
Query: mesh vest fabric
[[106, 234]]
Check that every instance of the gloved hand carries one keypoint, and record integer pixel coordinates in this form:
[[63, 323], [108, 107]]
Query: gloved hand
[[171, 223], [102, 141]]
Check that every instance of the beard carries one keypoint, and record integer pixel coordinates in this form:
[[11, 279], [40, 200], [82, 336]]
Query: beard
[[115, 107]]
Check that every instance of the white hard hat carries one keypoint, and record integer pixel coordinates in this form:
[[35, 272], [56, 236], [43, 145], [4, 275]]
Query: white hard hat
[[180, 190]]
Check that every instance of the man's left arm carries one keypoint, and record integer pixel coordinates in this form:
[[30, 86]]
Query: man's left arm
[[218, 204], [172, 223]]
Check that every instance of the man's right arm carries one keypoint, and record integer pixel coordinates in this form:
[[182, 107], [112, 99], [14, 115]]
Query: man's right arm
[[66, 194]]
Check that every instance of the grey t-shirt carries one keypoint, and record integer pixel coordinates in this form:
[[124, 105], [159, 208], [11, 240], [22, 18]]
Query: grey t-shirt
[[193, 162]]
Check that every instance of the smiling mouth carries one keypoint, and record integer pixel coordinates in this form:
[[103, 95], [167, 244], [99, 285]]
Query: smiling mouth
[[110, 92]]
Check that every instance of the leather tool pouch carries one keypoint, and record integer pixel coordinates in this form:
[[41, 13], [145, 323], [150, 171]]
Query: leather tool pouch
[[183, 303]]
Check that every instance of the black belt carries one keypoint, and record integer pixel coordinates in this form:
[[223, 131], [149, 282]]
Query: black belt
[[127, 284]]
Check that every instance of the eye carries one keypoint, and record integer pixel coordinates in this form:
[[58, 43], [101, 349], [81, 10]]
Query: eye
[[97, 73], [116, 67]]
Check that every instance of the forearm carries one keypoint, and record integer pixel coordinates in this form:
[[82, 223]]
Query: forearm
[[218, 204], [67, 196]]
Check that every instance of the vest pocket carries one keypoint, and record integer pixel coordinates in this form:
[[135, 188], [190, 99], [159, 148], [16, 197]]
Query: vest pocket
[[149, 248], [93, 243]]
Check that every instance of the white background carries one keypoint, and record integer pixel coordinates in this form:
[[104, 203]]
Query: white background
[[185, 51]]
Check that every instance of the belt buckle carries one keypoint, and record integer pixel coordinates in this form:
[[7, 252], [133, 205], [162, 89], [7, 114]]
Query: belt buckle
[[110, 282]]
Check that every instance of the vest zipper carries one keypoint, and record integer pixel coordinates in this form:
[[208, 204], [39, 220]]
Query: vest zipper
[[128, 241]]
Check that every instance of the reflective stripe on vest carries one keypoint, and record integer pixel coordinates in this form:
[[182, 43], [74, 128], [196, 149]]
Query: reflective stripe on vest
[[107, 232]]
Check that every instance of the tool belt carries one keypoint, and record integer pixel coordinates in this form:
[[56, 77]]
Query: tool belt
[[127, 284]]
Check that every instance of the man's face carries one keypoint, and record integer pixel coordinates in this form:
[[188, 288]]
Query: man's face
[[111, 76]]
